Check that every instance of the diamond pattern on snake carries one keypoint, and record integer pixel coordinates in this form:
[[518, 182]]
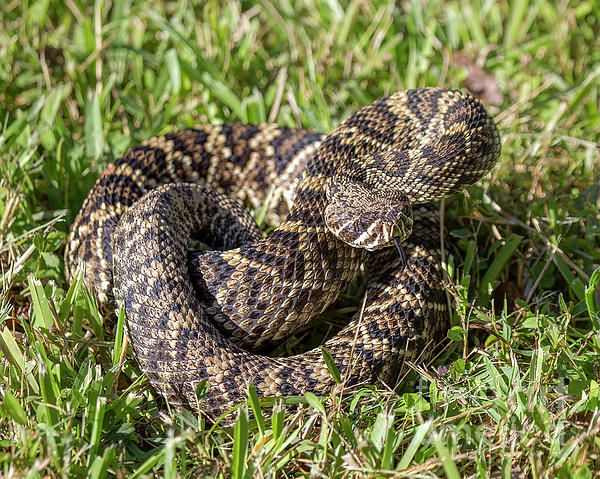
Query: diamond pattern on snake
[[358, 196]]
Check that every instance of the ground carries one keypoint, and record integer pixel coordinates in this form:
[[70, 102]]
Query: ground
[[514, 391]]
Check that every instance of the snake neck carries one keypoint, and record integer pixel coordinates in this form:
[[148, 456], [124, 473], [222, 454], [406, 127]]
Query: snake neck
[[265, 290]]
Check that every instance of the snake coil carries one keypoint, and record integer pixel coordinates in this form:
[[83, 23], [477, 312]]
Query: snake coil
[[346, 197]]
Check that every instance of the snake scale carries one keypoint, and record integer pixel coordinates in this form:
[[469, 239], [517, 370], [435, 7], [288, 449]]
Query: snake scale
[[345, 197]]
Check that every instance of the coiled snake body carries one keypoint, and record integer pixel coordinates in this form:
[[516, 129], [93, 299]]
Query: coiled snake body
[[193, 316]]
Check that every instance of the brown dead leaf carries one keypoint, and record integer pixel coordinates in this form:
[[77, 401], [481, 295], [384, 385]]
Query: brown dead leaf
[[478, 81], [512, 293]]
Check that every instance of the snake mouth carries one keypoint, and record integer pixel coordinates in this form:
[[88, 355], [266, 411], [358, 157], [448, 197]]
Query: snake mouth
[[377, 236], [374, 236], [389, 235]]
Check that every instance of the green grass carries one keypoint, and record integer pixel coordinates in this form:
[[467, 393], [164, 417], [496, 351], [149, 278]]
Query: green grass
[[515, 389]]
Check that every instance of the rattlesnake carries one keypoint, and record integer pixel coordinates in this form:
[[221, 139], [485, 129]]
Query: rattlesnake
[[194, 316]]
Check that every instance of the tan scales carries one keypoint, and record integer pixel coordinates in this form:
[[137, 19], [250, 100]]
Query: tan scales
[[194, 316]]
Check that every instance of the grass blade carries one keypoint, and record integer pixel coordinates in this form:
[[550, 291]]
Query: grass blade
[[14, 408], [94, 136], [415, 442], [591, 299], [97, 424], [315, 402], [445, 457], [255, 405], [43, 315], [329, 362], [12, 352], [494, 270], [240, 445], [174, 71]]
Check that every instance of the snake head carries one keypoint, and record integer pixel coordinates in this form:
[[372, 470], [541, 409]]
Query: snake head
[[367, 215]]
